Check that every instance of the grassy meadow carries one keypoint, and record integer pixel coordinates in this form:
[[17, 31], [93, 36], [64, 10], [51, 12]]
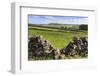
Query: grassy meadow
[[57, 37]]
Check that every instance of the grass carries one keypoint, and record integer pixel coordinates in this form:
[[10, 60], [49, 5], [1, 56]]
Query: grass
[[58, 38]]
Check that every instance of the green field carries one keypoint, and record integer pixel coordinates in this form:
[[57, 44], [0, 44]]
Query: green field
[[58, 38]]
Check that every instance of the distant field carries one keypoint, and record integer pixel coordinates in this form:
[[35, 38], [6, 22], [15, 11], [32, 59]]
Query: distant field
[[58, 38]]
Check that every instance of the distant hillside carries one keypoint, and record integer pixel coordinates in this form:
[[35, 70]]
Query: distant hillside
[[52, 24]]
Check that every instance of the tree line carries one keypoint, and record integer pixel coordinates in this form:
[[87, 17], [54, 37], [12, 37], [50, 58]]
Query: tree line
[[65, 27], [75, 28]]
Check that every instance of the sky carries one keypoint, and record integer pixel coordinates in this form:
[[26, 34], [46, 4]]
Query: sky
[[40, 19]]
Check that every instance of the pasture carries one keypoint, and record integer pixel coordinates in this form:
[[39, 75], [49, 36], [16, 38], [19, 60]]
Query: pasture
[[57, 37]]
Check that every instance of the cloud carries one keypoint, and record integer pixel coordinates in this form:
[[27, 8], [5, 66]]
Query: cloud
[[58, 19]]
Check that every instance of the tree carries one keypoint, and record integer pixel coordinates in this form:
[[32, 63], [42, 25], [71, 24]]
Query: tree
[[63, 27], [83, 27]]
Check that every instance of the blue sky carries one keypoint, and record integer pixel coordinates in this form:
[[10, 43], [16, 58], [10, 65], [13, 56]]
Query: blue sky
[[33, 19]]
